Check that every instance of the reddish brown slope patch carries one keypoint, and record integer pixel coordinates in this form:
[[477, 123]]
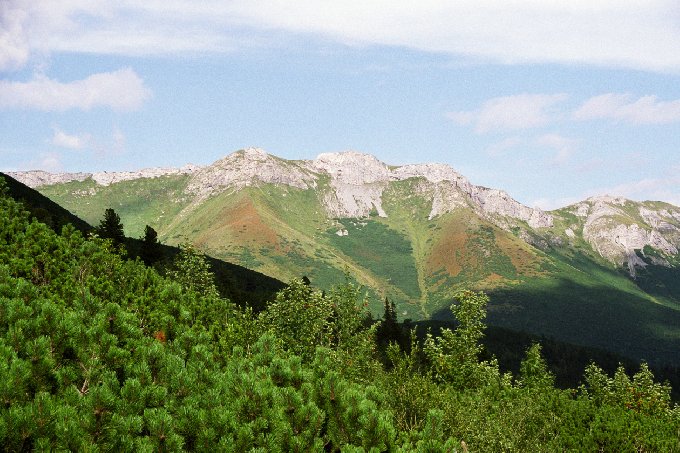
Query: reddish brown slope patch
[[242, 225], [526, 262], [448, 251]]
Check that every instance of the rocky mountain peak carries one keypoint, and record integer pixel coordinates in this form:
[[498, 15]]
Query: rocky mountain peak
[[39, 178], [351, 167], [246, 168], [619, 229], [432, 172], [607, 199]]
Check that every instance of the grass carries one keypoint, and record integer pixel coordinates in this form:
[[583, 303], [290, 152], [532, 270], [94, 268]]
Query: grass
[[140, 202], [566, 291], [385, 252]]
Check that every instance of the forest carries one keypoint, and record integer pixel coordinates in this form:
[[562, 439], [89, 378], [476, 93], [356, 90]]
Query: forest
[[102, 352]]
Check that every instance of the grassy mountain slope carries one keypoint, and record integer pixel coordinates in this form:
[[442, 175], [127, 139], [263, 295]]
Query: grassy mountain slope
[[238, 283], [139, 202], [545, 281], [42, 207]]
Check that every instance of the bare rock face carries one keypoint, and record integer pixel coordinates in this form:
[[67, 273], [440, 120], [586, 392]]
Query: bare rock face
[[246, 168], [493, 201], [434, 173], [349, 200], [351, 168], [357, 182], [613, 230], [108, 178], [39, 178]]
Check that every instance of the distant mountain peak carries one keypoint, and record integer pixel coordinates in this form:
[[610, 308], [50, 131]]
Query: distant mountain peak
[[609, 199], [352, 167], [248, 167]]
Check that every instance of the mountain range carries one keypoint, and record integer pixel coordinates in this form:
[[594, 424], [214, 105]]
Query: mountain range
[[603, 272]]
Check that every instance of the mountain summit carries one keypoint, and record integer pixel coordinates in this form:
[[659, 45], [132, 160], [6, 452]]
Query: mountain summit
[[351, 185], [600, 272]]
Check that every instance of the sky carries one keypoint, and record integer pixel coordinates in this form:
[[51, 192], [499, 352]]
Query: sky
[[550, 101]]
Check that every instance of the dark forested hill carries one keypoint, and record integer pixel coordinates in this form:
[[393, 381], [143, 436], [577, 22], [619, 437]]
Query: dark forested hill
[[42, 208], [237, 283]]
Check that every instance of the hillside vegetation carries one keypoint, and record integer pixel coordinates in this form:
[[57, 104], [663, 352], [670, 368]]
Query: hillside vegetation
[[102, 353], [540, 280]]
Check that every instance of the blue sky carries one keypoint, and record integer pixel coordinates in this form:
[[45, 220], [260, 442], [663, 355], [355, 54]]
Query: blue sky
[[551, 101]]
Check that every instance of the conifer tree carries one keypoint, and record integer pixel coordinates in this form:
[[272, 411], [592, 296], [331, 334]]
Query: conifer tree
[[454, 356], [110, 227], [191, 269], [534, 371], [389, 330], [150, 250]]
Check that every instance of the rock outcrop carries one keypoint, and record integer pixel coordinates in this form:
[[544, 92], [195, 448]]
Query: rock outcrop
[[352, 185], [39, 178], [246, 168], [620, 229]]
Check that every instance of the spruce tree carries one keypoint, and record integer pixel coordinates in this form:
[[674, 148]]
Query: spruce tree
[[150, 250], [110, 227], [390, 331]]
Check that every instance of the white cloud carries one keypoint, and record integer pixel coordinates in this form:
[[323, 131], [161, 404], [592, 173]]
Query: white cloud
[[500, 148], [102, 147], [621, 107], [46, 161], [14, 48], [563, 146], [622, 33], [119, 90], [655, 189], [522, 111], [64, 140]]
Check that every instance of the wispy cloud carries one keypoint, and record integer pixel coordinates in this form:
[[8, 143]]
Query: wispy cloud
[[640, 35], [666, 189], [622, 107], [49, 161], [14, 48], [70, 141], [564, 147], [502, 147], [522, 111], [119, 90]]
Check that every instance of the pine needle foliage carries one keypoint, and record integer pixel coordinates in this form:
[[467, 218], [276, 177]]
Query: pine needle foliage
[[100, 353]]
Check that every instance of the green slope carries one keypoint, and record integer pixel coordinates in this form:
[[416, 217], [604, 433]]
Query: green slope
[[139, 202], [562, 289], [237, 283], [43, 208]]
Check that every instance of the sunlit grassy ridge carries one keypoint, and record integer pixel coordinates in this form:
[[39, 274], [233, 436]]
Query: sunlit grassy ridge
[[140, 202], [559, 287]]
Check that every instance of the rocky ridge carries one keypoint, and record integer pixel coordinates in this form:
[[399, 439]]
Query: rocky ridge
[[618, 229], [38, 178], [356, 182], [352, 185]]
